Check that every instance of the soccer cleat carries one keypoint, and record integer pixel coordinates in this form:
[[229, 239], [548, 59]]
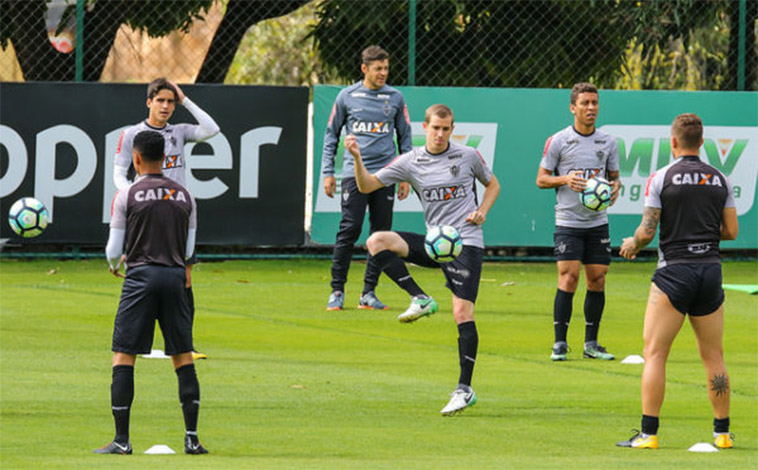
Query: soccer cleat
[[723, 440], [115, 448], [597, 352], [196, 355], [421, 306], [336, 301], [559, 351], [640, 441], [193, 448], [368, 301], [459, 401]]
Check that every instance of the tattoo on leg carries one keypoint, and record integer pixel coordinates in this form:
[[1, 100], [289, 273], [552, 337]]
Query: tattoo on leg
[[720, 384]]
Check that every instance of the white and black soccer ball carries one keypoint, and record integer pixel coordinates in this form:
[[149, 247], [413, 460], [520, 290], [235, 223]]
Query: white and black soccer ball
[[597, 195], [28, 217], [443, 243]]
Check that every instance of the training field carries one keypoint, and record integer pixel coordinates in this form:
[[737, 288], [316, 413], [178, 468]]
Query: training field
[[289, 385]]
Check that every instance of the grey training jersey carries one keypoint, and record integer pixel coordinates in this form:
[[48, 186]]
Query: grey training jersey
[[156, 213], [692, 196], [175, 135], [373, 116], [445, 184], [593, 155]]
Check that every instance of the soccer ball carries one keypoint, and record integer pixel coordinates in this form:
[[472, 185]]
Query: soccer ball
[[28, 217], [443, 243], [597, 195]]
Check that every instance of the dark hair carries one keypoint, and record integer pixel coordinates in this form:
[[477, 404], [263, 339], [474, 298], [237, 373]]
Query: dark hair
[[160, 84], [688, 130], [583, 87], [440, 110], [150, 145], [372, 53]]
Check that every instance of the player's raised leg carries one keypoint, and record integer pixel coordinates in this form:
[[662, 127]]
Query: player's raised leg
[[709, 331], [468, 344], [388, 248]]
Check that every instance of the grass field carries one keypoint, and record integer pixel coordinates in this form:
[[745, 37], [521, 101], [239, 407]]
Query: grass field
[[289, 385]]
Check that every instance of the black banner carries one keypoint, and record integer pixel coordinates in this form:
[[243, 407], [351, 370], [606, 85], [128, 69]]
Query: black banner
[[58, 141]]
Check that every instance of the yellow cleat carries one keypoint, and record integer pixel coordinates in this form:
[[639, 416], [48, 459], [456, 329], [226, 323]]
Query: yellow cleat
[[724, 441], [197, 355], [638, 441]]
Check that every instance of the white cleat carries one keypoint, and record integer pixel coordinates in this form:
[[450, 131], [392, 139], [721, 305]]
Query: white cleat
[[459, 401], [421, 306]]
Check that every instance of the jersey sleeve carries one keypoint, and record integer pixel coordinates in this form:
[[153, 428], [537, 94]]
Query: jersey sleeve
[[653, 189], [403, 127], [118, 209], [124, 149], [551, 153], [613, 156], [396, 171], [729, 192], [205, 128], [332, 135], [482, 172]]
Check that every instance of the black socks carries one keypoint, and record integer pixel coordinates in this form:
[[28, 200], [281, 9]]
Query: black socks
[[468, 343], [650, 425], [122, 395], [395, 268], [562, 314], [189, 397], [594, 303]]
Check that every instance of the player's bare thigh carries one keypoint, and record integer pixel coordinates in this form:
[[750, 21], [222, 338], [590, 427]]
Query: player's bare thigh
[[380, 241], [662, 323], [709, 332]]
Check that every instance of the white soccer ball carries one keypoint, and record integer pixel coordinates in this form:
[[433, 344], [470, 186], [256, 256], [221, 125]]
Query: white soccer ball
[[597, 195], [443, 243], [28, 217]]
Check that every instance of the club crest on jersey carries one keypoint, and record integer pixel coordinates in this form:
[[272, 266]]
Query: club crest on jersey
[[365, 127], [600, 154], [444, 193], [387, 109], [455, 169], [172, 139], [154, 194], [702, 179]]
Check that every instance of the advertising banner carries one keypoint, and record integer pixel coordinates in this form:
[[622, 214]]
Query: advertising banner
[[58, 142], [509, 127]]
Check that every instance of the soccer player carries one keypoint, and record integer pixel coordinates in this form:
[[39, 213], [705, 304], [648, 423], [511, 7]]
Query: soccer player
[[694, 204], [372, 111], [162, 97], [443, 174], [156, 216], [571, 157]]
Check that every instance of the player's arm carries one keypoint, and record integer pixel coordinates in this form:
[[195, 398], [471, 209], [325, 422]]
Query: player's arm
[[207, 127], [574, 180], [114, 249], [613, 178], [405, 142], [331, 142], [367, 182], [644, 234], [192, 230], [491, 191], [122, 161], [730, 226]]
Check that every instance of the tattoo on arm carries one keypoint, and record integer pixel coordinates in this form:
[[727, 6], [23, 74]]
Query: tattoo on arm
[[650, 218], [720, 384]]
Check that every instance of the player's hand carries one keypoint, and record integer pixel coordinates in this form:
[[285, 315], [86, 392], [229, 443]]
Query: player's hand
[[179, 93], [575, 181], [616, 187], [115, 271], [330, 185], [351, 144], [477, 217], [188, 269], [629, 248], [403, 190]]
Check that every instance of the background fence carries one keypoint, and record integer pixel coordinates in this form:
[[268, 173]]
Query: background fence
[[619, 44]]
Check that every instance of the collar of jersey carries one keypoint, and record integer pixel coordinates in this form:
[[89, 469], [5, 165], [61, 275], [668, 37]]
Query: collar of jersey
[[583, 135], [153, 127]]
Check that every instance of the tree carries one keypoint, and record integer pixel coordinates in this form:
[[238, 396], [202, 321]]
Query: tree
[[23, 23]]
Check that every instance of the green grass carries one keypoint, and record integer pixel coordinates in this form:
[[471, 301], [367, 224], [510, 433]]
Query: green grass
[[289, 385]]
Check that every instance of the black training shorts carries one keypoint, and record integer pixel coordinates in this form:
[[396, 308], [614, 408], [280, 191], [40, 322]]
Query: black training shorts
[[588, 245], [693, 288], [462, 274], [151, 293]]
